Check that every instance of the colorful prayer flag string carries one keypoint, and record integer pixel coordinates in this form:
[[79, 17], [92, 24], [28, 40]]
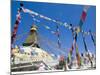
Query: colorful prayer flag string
[[83, 16], [78, 29], [77, 52], [87, 50], [71, 52], [92, 38], [44, 17], [58, 35], [18, 18], [85, 43], [66, 25]]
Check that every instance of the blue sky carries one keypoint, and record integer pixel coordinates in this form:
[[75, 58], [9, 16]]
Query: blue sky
[[64, 12]]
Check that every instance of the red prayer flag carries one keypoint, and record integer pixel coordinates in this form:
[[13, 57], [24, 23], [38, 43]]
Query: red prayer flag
[[83, 16]]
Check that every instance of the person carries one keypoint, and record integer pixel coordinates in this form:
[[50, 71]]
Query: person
[[62, 63]]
